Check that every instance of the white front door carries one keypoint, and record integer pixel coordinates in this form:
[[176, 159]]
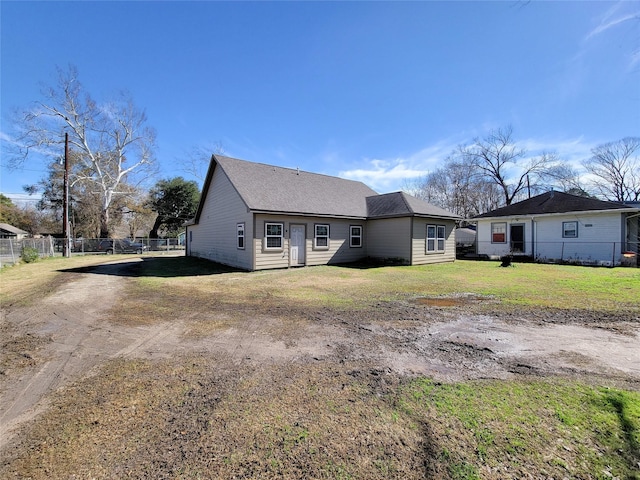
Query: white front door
[[297, 245]]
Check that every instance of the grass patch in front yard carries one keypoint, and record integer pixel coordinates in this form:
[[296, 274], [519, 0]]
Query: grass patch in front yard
[[550, 427], [525, 285], [196, 280], [197, 417]]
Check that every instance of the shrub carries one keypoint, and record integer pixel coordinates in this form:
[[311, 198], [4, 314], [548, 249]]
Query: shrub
[[30, 254]]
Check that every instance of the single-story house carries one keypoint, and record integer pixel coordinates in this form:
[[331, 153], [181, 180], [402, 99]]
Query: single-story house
[[255, 216], [560, 227], [9, 231]]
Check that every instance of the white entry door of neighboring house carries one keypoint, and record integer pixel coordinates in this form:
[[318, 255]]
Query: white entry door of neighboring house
[[297, 245]]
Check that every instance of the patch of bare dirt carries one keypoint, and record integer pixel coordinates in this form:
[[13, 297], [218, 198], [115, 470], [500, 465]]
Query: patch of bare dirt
[[67, 336]]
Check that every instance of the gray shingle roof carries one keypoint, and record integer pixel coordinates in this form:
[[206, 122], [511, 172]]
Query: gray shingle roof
[[553, 202], [267, 188], [401, 204]]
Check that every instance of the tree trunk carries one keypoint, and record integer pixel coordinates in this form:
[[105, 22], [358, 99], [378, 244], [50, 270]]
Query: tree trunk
[[156, 225], [104, 223]]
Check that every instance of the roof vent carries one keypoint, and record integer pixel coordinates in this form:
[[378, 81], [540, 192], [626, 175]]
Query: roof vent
[[297, 170]]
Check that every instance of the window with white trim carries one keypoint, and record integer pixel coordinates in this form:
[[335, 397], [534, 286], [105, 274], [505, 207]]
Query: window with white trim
[[273, 236], [355, 236], [240, 236], [570, 229], [321, 236], [435, 241], [499, 232]]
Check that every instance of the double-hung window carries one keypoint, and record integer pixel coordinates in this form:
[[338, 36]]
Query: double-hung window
[[273, 236], [435, 238], [321, 236], [440, 237], [570, 229], [355, 236], [240, 236], [499, 232], [431, 238]]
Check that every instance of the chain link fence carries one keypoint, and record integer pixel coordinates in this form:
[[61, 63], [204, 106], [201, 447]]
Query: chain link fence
[[569, 252], [11, 249]]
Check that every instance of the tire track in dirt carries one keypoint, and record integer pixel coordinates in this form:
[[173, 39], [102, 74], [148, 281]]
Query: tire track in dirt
[[81, 341]]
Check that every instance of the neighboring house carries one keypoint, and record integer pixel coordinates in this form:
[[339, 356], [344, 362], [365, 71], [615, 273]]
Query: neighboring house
[[561, 227], [255, 216], [9, 231]]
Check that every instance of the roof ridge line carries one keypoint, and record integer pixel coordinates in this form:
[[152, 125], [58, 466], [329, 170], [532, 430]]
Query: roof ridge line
[[404, 199]]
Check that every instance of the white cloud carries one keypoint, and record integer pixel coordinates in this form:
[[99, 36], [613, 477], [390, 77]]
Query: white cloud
[[388, 175], [572, 150], [609, 21]]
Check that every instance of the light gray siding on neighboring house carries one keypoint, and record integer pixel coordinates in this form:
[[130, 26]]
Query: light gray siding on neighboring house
[[598, 236], [389, 238], [215, 236], [558, 226], [486, 247], [419, 240]]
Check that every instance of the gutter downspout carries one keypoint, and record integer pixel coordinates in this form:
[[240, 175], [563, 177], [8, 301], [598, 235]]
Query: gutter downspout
[[533, 238]]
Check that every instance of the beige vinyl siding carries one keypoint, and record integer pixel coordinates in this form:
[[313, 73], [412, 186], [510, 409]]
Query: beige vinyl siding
[[420, 257], [338, 251], [389, 238], [214, 237]]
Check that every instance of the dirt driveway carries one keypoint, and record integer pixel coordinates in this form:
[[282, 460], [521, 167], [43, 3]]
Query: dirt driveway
[[65, 337]]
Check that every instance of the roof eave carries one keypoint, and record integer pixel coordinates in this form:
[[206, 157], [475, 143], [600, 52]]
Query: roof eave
[[419, 215], [307, 214], [556, 214]]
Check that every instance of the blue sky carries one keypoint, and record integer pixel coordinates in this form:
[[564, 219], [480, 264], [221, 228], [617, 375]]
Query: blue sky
[[374, 91]]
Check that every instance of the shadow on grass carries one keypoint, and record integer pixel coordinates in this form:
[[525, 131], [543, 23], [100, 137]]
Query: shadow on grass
[[165, 267], [623, 407]]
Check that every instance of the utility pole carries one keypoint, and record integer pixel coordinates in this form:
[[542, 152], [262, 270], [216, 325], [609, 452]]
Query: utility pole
[[66, 246]]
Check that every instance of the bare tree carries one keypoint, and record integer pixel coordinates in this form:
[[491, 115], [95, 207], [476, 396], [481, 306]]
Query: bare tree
[[457, 188], [499, 160], [563, 177], [111, 140], [615, 168], [196, 161]]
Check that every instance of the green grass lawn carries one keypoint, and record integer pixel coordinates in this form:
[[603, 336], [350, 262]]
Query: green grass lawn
[[529, 285], [188, 418]]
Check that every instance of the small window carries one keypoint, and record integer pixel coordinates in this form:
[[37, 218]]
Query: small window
[[431, 238], [355, 236], [321, 237], [441, 238], [273, 236], [435, 238], [570, 229], [499, 233], [240, 236]]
